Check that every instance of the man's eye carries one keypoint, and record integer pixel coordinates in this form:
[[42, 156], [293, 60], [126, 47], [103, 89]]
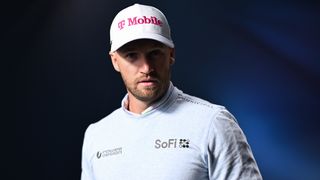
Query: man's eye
[[155, 53], [132, 56]]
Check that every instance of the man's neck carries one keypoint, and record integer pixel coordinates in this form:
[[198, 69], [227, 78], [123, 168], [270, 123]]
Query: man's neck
[[137, 106]]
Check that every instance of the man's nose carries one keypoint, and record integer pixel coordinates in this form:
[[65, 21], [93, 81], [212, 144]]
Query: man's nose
[[147, 66]]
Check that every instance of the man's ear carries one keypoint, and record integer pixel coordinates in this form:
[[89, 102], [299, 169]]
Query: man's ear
[[172, 56], [114, 60]]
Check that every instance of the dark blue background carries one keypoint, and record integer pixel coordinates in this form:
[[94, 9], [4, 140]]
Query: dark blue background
[[260, 59]]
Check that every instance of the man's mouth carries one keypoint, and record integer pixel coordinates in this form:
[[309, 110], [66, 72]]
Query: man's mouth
[[148, 82]]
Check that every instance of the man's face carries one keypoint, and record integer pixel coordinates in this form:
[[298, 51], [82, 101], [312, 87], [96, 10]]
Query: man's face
[[145, 68]]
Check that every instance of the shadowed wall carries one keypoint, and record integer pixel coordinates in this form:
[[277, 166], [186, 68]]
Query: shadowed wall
[[259, 59]]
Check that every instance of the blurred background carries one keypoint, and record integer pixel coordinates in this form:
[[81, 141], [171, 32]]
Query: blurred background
[[260, 59]]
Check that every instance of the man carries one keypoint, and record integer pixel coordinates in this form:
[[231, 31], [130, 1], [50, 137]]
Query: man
[[160, 133]]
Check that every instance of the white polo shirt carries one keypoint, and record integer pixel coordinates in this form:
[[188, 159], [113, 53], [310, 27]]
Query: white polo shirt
[[181, 137]]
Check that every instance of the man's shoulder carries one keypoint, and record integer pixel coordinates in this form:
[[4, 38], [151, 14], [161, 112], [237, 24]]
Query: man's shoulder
[[197, 102], [106, 121]]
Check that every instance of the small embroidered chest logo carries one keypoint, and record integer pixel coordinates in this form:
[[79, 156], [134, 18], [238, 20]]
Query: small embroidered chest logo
[[109, 152]]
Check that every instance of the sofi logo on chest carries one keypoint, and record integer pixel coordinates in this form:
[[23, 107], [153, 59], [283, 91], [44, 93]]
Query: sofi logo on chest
[[171, 143]]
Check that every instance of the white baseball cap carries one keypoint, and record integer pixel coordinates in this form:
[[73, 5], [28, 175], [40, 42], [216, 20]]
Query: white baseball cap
[[139, 22]]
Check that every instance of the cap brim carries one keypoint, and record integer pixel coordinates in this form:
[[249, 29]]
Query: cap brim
[[124, 40]]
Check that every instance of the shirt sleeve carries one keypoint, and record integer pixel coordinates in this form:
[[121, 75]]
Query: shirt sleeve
[[86, 166], [229, 154]]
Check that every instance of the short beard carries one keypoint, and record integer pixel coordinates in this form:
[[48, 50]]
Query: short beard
[[149, 94], [146, 95]]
